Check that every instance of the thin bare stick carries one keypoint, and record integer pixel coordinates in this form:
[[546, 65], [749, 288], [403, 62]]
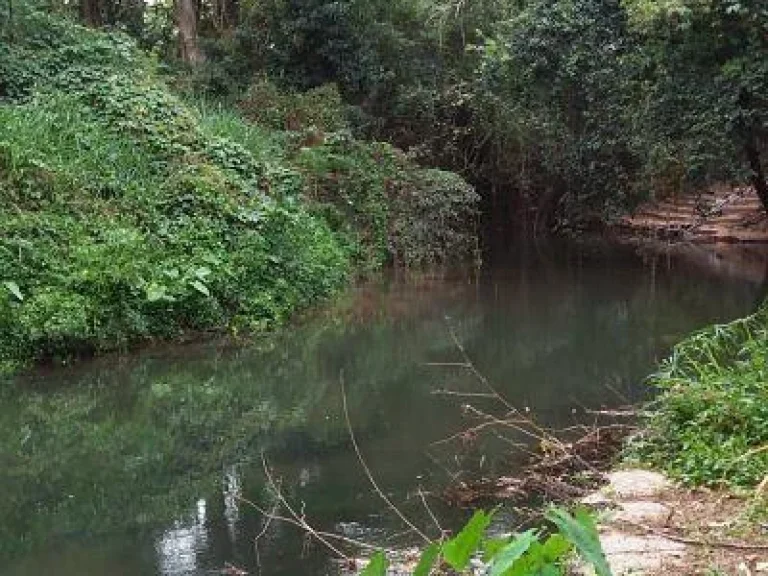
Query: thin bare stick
[[464, 433], [311, 531], [367, 470], [436, 522], [696, 542], [750, 453], [472, 368], [302, 525], [462, 394], [621, 396], [614, 413], [452, 475], [267, 523]]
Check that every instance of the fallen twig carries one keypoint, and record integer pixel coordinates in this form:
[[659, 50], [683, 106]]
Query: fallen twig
[[367, 470], [698, 542]]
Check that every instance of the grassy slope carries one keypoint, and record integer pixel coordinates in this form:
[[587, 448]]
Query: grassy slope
[[127, 214]]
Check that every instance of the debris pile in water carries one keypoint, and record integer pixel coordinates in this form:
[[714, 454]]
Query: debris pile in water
[[558, 471]]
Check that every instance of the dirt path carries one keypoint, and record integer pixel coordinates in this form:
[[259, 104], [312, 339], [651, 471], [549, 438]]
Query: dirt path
[[650, 526]]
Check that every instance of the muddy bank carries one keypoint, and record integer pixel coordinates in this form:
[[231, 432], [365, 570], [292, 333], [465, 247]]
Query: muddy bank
[[719, 215]]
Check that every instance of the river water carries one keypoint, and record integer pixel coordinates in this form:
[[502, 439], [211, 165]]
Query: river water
[[150, 463]]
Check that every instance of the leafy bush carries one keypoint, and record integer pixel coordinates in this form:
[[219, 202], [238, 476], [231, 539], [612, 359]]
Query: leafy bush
[[128, 214], [388, 205], [710, 422], [319, 108], [123, 220]]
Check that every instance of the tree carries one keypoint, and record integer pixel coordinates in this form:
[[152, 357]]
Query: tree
[[91, 12], [706, 81], [186, 21]]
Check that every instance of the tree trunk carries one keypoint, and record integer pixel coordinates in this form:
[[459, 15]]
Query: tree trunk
[[758, 174], [10, 19], [186, 20], [91, 14]]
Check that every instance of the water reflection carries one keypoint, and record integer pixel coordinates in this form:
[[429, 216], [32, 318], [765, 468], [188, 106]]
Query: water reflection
[[101, 465], [178, 547]]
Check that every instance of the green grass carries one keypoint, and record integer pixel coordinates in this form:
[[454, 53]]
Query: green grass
[[709, 425], [264, 144]]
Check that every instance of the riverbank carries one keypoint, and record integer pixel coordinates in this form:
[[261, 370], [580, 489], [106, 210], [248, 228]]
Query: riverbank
[[720, 214], [705, 511], [687, 493], [132, 212], [652, 526]]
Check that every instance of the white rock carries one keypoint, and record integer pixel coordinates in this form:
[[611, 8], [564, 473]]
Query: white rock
[[597, 499], [642, 512], [633, 484], [629, 554]]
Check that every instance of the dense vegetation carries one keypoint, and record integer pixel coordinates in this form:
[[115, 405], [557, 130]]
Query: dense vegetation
[[710, 422], [182, 166], [560, 111], [135, 210], [130, 213]]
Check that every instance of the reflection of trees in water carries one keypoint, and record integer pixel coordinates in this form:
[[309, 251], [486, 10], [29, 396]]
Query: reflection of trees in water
[[136, 441]]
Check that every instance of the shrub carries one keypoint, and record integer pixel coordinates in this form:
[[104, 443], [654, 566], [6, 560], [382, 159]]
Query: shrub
[[710, 423], [126, 214]]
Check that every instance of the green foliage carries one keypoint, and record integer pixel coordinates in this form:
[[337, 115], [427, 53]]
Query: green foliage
[[427, 560], [122, 219], [526, 554], [377, 566], [708, 425], [564, 112], [319, 108], [509, 554], [458, 551], [390, 206], [129, 214], [49, 49], [703, 92], [580, 530]]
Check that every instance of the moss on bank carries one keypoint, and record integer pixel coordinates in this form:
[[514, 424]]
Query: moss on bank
[[129, 214]]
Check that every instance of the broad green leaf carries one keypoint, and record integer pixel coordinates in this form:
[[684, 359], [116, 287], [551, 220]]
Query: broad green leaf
[[581, 531], [200, 287], [491, 547], [506, 557], [377, 566], [14, 289], [555, 548], [459, 549], [427, 560]]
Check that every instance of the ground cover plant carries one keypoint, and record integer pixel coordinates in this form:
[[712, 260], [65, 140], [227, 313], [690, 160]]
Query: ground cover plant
[[708, 424], [130, 213]]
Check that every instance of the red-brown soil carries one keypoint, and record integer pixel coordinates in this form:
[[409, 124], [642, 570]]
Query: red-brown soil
[[722, 215]]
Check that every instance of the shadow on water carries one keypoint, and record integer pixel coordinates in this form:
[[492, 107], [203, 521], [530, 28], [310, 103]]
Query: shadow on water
[[137, 465]]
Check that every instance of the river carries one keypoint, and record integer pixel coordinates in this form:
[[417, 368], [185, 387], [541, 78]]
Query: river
[[144, 464]]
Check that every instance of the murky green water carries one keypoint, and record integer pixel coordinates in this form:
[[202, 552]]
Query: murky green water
[[139, 465]]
